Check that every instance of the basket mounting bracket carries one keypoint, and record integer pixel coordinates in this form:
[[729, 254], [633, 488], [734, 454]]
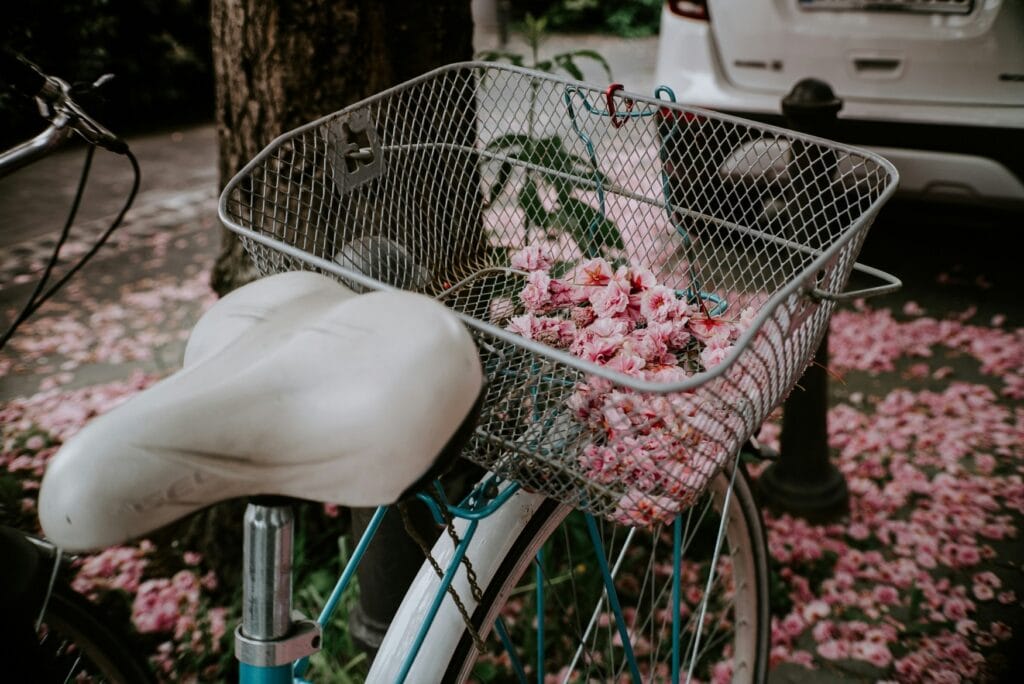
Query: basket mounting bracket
[[354, 150]]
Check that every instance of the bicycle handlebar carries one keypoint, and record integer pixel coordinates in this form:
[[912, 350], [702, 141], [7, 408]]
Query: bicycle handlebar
[[55, 104], [36, 148], [53, 96]]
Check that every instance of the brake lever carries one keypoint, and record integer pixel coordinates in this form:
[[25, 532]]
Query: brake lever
[[55, 102], [94, 132], [101, 81]]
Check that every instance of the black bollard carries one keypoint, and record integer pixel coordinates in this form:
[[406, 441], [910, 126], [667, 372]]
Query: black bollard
[[388, 568], [394, 557], [804, 482]]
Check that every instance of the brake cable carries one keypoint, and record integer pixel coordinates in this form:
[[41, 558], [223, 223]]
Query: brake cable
[[96, 135]]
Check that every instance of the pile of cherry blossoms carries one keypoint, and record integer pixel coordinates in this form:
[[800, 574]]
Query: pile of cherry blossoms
[[920, 582], [621, 318], [164, 592]]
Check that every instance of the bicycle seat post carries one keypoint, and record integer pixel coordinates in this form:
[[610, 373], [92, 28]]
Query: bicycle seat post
[[269, 639]]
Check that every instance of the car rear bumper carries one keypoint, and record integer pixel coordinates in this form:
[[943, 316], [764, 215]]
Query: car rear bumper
[[964, 151], [969, 163]]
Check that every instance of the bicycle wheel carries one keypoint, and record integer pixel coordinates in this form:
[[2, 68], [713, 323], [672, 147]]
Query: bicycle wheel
[[76, 645], [579, 638]]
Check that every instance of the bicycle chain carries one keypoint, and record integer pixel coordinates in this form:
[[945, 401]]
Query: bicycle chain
[[449, 521], [403, 509]]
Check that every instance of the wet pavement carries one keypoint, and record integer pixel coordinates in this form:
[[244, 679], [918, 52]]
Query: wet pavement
[[176, 165]]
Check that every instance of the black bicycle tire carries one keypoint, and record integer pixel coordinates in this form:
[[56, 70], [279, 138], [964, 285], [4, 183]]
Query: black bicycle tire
[[75, 619], [515, 561]]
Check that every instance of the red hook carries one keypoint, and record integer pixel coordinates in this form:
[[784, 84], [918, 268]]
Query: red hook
[[609, 97]]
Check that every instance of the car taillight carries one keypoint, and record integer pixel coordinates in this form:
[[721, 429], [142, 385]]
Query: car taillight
[[690, 9]]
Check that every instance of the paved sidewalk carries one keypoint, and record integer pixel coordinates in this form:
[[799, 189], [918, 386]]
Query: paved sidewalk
[[116, 316], [175, 164]]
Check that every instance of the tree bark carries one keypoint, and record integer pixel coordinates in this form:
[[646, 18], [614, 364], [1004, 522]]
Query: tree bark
[[281, 64]]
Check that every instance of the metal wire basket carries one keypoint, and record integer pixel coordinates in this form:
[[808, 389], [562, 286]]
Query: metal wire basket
[[433, 185]]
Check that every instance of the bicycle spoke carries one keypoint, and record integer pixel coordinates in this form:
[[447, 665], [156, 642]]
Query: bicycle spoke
[[71, 672], [548, 583], [677, 542], [648, 573], [677, 592], [613, 598], [711, 574], [597, 609], [539, 573], [506, 640], [649, 627]]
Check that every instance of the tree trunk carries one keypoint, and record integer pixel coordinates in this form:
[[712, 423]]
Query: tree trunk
[[284, 63]]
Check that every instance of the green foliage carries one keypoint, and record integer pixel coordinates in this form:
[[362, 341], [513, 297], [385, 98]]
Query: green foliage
[[562, 174], [626, 18], [158, 50], [534, 30], [779, 601], [588, 227], [558, 173], [340, 661]]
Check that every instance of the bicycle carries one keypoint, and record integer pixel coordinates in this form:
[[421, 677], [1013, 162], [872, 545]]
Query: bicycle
[[47, 623], [373, 198]]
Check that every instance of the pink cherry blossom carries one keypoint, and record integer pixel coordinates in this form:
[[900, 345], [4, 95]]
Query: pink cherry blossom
[[627, 363], [533, 257], [877, 654], [117, 567], [834, 649], [659, 303], [167, 604], [594, 272], [983, 592], [1001, 631], [674, 333], [639, 509], [501, 309], [886, 595], [793, 625], [715, 353], [524, 325], [582, 316], [640, 279], [705, 327], [824, 630], [556, 332], [536, 295], [646, 344], [609, 301], [955, 608]]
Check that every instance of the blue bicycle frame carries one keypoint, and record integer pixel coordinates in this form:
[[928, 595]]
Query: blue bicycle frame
[[268, 591]]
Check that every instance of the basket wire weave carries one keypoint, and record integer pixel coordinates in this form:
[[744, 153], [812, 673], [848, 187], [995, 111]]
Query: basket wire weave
[[432, 185]]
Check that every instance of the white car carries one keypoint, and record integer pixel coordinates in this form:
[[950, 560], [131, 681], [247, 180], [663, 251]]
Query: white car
[[936, 86]]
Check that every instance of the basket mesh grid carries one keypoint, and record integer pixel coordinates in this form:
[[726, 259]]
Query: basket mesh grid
[[431, 186]]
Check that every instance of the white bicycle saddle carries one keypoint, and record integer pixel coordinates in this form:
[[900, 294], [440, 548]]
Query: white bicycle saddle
[[292, 386]]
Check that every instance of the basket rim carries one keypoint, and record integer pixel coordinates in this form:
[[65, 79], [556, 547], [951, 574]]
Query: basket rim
[[802, 282]]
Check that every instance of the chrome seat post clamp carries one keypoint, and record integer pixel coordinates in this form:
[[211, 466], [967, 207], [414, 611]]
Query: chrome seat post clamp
[[270, 635]]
